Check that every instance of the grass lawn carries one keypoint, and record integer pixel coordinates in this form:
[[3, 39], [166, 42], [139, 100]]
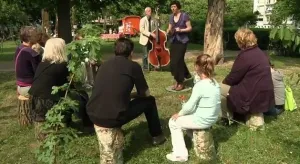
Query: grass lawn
[[7, 50], [9, 47], [278, 143]]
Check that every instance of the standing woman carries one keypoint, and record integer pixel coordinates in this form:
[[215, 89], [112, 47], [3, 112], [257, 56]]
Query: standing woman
[[179, 27]]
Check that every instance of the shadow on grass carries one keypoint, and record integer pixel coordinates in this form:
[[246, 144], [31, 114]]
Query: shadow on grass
[[223, 133], [138, 138], [7, 109], [270, 119]]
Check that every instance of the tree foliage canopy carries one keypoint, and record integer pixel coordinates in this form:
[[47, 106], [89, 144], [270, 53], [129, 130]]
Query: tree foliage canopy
[[284, 9]]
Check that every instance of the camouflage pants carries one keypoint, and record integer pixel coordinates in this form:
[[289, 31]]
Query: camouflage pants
[[111, 143]]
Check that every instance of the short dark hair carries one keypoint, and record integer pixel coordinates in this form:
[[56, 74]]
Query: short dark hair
[[29, 34], [177, 3], [123, 47]]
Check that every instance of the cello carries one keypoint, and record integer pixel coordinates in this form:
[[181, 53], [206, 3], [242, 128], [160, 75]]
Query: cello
[[159, 55]]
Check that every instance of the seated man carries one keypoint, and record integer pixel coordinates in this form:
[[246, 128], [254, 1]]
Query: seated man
[[110, 105]]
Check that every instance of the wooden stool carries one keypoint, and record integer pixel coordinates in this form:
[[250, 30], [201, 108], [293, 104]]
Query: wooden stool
[[24, 108], [204, 144], [255, 121], [111, 145]]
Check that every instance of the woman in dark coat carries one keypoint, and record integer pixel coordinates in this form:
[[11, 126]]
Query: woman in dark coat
[[52, 71], [248, 87]]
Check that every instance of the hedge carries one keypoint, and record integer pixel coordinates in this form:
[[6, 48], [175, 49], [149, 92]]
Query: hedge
[[197, 36]]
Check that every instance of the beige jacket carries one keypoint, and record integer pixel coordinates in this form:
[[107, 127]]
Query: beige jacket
[[144, 32]]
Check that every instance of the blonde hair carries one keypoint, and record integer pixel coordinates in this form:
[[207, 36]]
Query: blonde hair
[[245, 38], [55, 51], [206, 65]]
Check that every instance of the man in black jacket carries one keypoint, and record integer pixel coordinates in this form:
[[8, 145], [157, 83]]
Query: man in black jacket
[[110, 105]]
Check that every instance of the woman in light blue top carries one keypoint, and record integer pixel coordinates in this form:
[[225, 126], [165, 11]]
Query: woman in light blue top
[[201, 111]]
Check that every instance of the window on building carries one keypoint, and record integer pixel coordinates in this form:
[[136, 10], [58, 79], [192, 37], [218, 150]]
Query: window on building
[[268, 18]]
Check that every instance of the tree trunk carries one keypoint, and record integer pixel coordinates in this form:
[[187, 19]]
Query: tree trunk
[[213, 37], [64, 20], [45, 20]]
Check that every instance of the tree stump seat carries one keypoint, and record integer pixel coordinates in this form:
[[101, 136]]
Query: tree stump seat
[[111, 145], [24, 108], [203, 143], [255, 121]]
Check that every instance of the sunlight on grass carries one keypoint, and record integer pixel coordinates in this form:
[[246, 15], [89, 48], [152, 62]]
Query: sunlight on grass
[[278, 143], [9, 47]]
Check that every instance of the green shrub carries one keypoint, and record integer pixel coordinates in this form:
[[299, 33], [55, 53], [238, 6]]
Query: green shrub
[[197, 35], [261, 34]]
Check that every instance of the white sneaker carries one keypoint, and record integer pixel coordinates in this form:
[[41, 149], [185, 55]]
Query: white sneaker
[[172, 157]]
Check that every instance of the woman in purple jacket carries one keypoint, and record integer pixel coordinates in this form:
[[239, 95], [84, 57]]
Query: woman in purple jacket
[[248, 88], [26, 59], [179, 27]]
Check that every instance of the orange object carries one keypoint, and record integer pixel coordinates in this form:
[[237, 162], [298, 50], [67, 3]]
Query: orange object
[[130, 25]]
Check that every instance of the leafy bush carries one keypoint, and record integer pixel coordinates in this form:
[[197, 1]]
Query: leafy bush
[[197, 36], [58, 134], [261, 34], [285, 41]]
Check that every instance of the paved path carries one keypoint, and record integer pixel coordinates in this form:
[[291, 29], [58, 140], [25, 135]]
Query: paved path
[[6, 66]]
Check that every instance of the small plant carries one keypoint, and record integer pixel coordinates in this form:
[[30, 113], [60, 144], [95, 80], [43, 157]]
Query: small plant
[[57, 133]]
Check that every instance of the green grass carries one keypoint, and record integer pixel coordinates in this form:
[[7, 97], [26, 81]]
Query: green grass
[[278, 143], [7, 50], [9, 47]]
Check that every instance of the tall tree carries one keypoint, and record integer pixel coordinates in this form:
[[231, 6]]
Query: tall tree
[[213, 36], [64, 20], [62, 7], [240, 12], [285, 9]]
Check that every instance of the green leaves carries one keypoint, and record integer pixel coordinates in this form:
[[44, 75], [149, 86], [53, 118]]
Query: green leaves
[[288, 38], [55, 126], [284, 9]]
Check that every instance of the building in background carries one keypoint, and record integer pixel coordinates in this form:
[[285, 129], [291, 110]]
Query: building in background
[[265, 7]]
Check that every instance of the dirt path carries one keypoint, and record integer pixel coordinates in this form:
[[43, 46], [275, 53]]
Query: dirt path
[[7, 66]]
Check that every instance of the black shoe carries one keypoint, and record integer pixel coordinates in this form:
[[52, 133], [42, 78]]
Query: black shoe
[[158, 140], [188, 76]]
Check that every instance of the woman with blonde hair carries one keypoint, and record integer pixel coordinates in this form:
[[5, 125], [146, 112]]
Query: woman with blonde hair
[[52, 71], [201, 111], [248, 88]]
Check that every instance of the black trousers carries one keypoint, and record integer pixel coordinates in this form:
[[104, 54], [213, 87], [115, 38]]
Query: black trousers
[[177, 64], [138, 106]]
